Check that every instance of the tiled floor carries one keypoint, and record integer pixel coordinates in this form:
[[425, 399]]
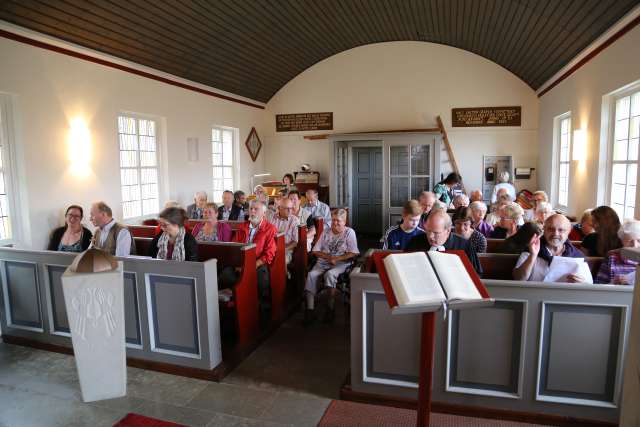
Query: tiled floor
[[289, 380]]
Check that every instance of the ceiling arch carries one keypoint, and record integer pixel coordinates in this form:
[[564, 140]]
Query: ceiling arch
[[253, 48]]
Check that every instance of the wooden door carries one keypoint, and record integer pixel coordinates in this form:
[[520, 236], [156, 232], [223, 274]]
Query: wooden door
[[367, 189]]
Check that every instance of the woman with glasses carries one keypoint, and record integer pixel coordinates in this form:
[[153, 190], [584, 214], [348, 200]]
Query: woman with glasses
[[211, 230], [174, 243], [510, 218], [73, 236], [462, 224]]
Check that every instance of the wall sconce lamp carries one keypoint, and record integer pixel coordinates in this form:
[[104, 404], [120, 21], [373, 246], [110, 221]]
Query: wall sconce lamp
[[79, 145], [579, 145]]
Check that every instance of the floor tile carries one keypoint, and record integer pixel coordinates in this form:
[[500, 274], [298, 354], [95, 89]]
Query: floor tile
[[176, 414], [224, 420], [233, 400], [296, 409]]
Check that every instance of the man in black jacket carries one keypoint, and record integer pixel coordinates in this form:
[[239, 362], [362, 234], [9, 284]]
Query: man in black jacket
[[438, 237]]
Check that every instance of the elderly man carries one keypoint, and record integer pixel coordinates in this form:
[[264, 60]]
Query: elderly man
[[287, 223], [196, 209], [316, 208], [426, 200], [225, 210], [438, 237], [262, 234], [334, 250], [110, 236], [475, 196], [534, 264]]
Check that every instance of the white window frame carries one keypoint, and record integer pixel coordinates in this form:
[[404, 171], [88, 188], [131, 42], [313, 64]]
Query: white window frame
[[235, 143], [161, 167], [607, 136], [557, 161], [10, 166]]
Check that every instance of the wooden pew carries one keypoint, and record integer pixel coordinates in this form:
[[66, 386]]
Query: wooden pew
[[142, 245], [319, 222], [493, 245], [143, 231], [300, 262], [244, 304], [278, 280], [500, 266]]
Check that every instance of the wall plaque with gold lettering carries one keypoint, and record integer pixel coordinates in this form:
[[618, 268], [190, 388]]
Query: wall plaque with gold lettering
[[304, 121], [486, 116]]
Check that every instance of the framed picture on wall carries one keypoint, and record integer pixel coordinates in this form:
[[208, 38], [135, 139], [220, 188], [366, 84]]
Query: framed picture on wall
[[253, 144]]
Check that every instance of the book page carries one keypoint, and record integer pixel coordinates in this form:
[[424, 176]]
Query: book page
[[561, 267], [455, 279], [413, 279]]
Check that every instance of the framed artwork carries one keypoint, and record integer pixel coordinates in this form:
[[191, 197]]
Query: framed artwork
[[253, 144]]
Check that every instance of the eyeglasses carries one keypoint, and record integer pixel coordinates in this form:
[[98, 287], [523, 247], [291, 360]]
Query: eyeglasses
[[163, 224], [69, 215], [436, 234]]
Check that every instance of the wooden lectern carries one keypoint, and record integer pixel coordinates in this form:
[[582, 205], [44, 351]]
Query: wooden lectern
[[427, 334]]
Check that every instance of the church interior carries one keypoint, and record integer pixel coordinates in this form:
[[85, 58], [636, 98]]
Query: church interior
[[319, 213]]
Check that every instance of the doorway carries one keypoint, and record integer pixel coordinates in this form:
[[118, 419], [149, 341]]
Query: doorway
[[366, 185]]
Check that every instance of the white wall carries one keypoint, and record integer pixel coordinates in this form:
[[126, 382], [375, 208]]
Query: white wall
[[50, 89], [403, 85], [581, 93]]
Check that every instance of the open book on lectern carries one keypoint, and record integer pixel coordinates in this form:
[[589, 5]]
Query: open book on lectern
[[425, 281]]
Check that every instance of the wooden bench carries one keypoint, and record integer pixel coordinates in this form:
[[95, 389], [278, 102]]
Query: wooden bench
[[142, 231], [493, 245], [300, 262], [500, 266]]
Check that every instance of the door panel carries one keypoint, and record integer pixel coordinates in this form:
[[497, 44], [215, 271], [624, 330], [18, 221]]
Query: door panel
[[367, 189]]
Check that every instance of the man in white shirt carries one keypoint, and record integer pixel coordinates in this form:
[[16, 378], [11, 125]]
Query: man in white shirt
[[535, 263], [287, 223], [110, 236], [316, 208]]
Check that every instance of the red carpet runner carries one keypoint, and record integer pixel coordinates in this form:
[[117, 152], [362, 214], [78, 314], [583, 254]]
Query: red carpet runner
[[135, 420], [342, 413]]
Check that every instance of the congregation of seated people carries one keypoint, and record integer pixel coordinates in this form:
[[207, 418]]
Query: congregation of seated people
[[445, 219]]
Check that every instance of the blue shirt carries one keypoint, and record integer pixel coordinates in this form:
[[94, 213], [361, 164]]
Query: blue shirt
[[397, 238]]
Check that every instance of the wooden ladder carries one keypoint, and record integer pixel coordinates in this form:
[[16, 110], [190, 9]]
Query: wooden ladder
[[447, 146]]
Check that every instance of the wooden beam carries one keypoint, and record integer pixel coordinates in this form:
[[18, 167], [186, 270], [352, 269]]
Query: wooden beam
[[452, 159], [327, 135]]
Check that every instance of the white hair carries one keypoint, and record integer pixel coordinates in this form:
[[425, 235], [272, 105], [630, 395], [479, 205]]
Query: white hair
[[462, 199], [478, 206], [259, 203], [438, 205], [340, 213], [200, 195], [504, 176], [630, 228], [544, 207]]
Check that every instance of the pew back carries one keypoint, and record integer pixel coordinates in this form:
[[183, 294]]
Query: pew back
[[500, 266]]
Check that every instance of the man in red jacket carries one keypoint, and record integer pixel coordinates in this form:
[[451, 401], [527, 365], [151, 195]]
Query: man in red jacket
[[261, 233]]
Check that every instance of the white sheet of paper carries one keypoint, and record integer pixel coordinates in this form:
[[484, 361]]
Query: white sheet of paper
[[561, 267]]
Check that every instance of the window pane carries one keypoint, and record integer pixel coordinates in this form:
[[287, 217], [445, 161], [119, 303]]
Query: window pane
[[227, 136], [399, 191], [630, 199], [564, 126], [215, 134], [622, 108], [631, 174], [217, 172], [217, 159], [634, 127], [128, 159], [420, 160], [633, 149], [622, 129], [563, 198], [147, 158], [635, 104], [628, 213], [617, 193], [399, 157], [619, 174], [228, 173], [227, 154], [150, 206], [620, 150], [418, 185]]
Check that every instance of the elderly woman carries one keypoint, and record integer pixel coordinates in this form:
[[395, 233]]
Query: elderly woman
[[478, 211], [334, 250], [537, 198], [510, 218], [616, 268], [211, 230], [72, 236], [174, 243], [582, 229], [462, 224], [461, 200], [543, 211], [504, 199]]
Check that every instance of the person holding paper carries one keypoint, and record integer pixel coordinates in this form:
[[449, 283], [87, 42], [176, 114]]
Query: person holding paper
[[616, 268], [537, 261], [334, 250], [398, 236], [438, 237]]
